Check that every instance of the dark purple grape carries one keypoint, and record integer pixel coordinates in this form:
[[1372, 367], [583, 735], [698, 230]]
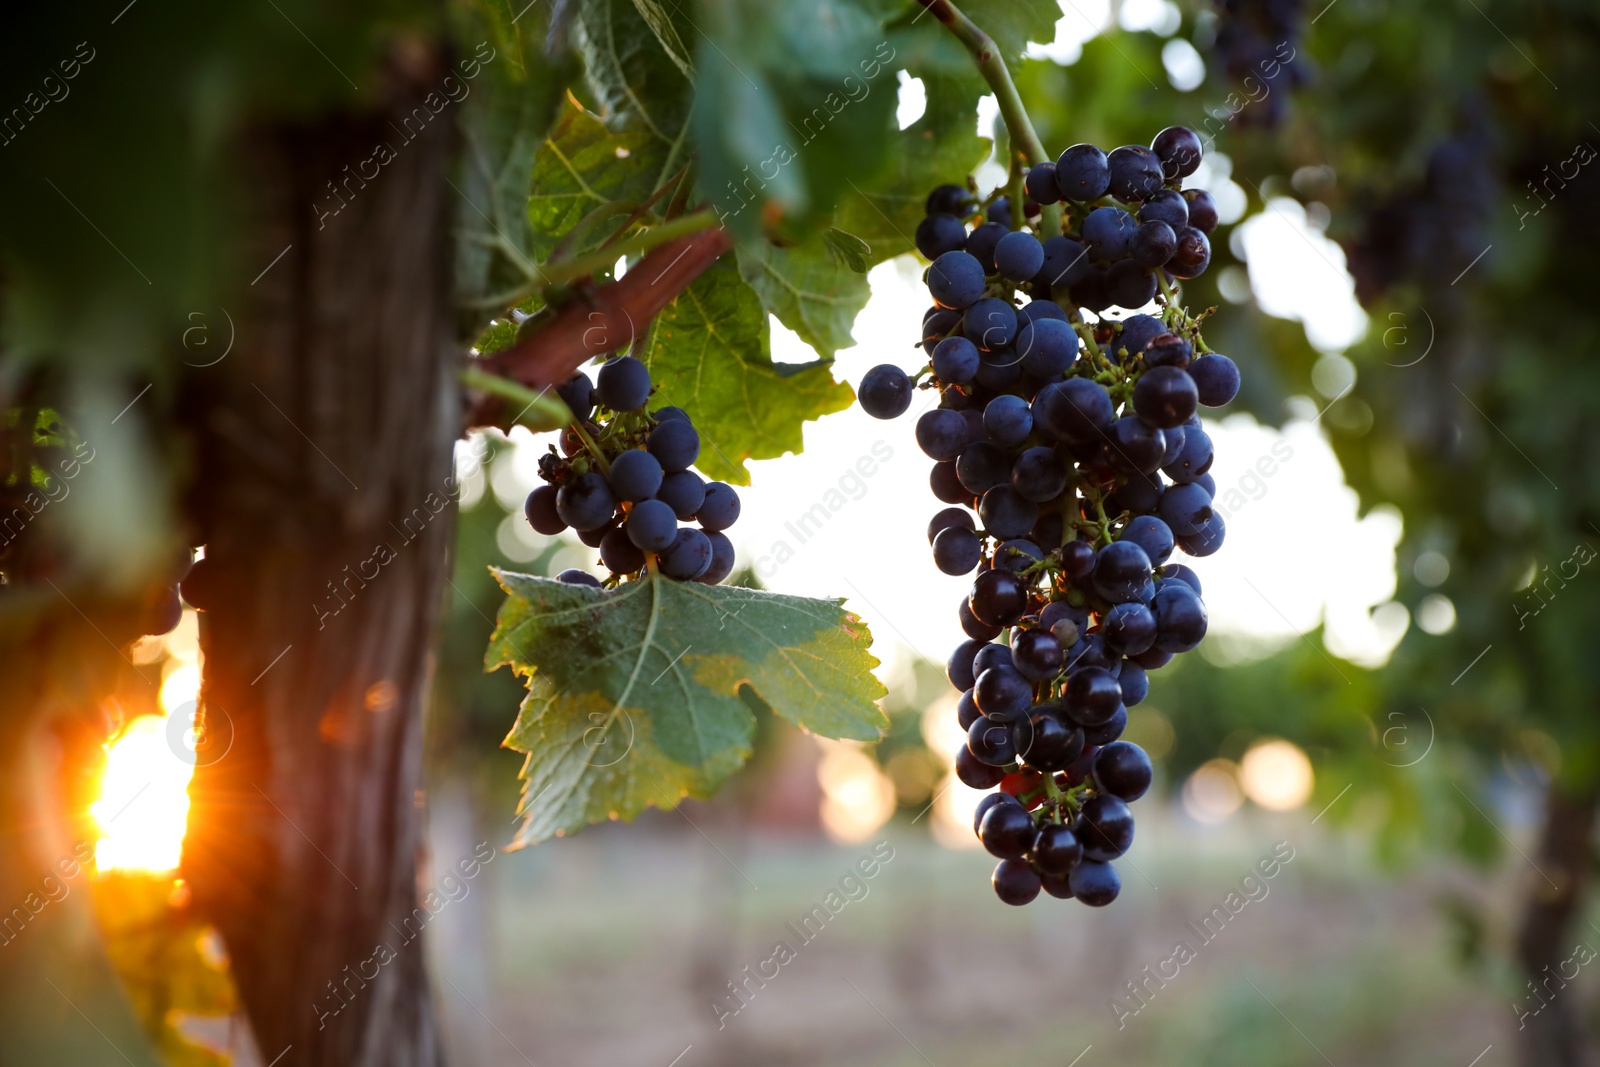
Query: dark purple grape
[[998, 597], [635, 475], [992, 800], [1082, 173], [982, 466], [540, 511], [1105, 826], [1123, 770], [1167, 206], [942, 433], [1017, 555], [652, 526], [1002, 693], [1096, 884], [1184, 508], [1065, 261], [956, 279], [958, 668], [1074, 410], [1202, 210], [948, 518], [585, 502], [1056, 850], [1130, 285], [990, 323], [722, 559], [990, 741], [1093, 696], [981, 243], [957, 551], [1040, 183], [573, 576], [1178, 149], [1015, 882], [1107, 231], [975, 774], [938, 234], [1152, 244], [720, 509], [1135, 173], [885, 393], [1018, 256], [1192, 256], [1007, 513], [1038, 655], [624, 384], [1216, 379], [1039, 474], [955, 360], [619, 553], [950, 200], [1180, 617], [684, 492], [978, 631]]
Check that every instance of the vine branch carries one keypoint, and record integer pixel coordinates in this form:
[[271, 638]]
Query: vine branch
[[605, 319], [1019, 128]]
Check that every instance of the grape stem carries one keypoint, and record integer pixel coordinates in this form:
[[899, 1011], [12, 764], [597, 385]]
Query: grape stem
[[594, 449], [542, 410], [1019, 128]]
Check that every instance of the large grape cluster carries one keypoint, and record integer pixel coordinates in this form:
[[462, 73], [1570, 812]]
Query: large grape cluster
[[1067, 444], [621, 479]]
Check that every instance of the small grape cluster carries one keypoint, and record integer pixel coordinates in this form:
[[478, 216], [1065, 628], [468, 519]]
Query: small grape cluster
[[621, 479], [1077, 443]]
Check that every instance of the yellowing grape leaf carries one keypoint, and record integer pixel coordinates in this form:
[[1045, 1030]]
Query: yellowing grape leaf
[[634, 694]]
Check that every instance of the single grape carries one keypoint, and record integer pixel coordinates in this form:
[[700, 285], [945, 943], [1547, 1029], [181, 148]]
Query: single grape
[[1096, 884], [938, 234], [1202, 210], [573, 576], [1207, 537], [1135, 683], [1105, 826], [688, 557], [585, 502], [1176, 437], [955, 360], [1045, 740], [1130, 285], [990, 801], [1018, 256], [1040, 183], [958, 668], [619, 553], [975, 774], [1152, 244], [1048, 347], [1107, 231], [1007, 420], [1060, 888], [1056, 849], [957, 551], [1136, 445], [1119, 569], [1002, 693], [1177, 572], [990, 742], [1039, 475], [670, 412], [1006, 512], [1178, 149], [1153, 660], [1167, 206], [652, 525], [1038, 655], [1194, 460], [1065, 261], [676, 443], [946, 485], [1135, 173], [937, 324], [1193, 254], [1140, 494], [683, 492], [990, 323], [1083, 173], [624, 384], [997, 597], [956, 279], [1093, 696], [1015, 882], [720, 509], [1128, 629], [1184, 508], [981, 244], [722, 559], [979, 631], [540, 511], [941, 434], [948, 518], [1038, 311], [967, 711], [1180, 617], [1216, 379], [199, 588], [999, 212], [950, 200], [982, 466], [1017, 555], [1123, 770], [577, 392], [991, 656], [1150, 534], [635, 475], [1074, 410], [885, 393], [593, 537]]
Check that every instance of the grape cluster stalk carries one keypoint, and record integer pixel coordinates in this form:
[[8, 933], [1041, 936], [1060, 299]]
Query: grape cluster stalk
[[621, 480], [1068, 447]]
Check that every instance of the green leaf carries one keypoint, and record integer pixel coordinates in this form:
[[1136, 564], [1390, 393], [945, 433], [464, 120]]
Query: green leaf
[[709, 353], [634, 694], [941, 146], [1013, 23], [636, 82], [793, 103], [661, 24], [848, 249], [582, 166], [809, 287]]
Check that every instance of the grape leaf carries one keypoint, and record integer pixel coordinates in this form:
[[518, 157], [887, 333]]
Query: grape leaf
[[584, 165], [1013, 23], [635, 694], [941, 146], [848, 249], [808, 287], [661, 24], [709, 353], [639, 86]]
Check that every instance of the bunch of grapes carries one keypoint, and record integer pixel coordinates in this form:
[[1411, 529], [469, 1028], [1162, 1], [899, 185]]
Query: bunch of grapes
[[1068, 447], [621, 479], [1259, 41]]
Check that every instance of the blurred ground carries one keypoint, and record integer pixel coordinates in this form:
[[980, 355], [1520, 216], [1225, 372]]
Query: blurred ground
[[609, 948]]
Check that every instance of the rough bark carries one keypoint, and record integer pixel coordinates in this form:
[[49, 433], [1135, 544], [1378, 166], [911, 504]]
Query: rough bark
[[323, 494], [1554, 1036]]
